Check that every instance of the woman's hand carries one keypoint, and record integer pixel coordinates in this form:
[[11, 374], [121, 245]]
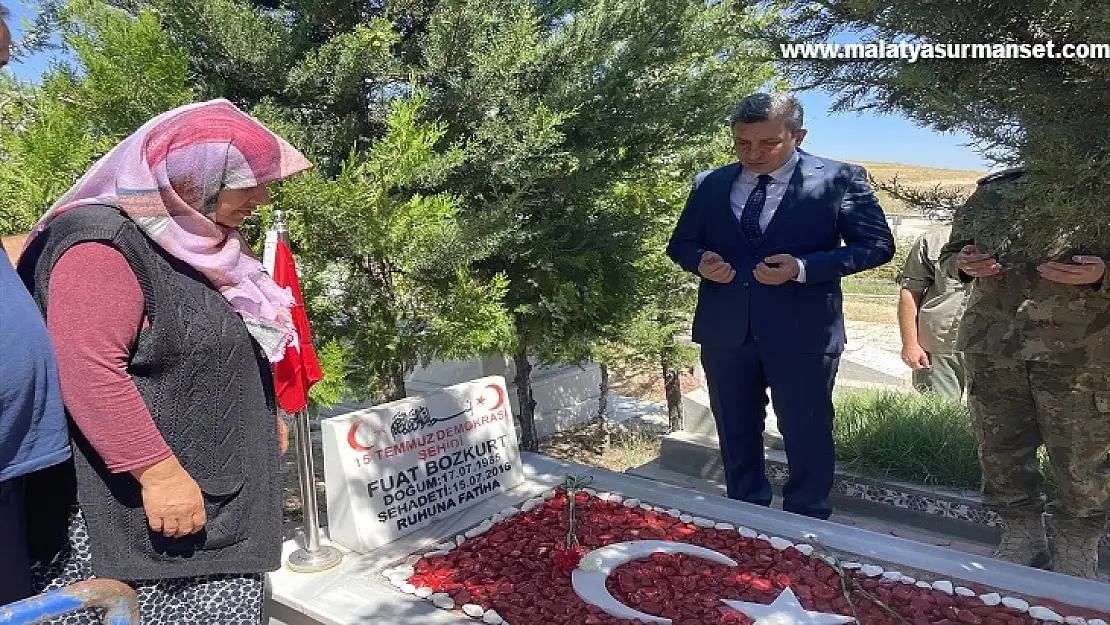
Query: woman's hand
[[172, 501]]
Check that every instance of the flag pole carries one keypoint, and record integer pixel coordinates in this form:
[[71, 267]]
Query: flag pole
[[313, 557]]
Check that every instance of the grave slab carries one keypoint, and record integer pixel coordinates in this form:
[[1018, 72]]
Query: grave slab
[[357, 593]]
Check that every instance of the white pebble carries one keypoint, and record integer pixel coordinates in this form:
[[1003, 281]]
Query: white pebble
[[459, 540], [805, 550], [728, 527], [406, 570], [659, 509], [529, 506], [991, 599], [439, 553], [510, 511], [686, 518], [850, 566], [944, 586], [413, 559], [747, 532], [548, 494], [924, 585], [872, 570], [646, 506], [1018, 604], [906, 579], [780, 543], [609, 497], [408, 589], [424, 592], [631, 503], [492, 618], [497, 518], [448, 547], [473, 611], [893, 576], [1096, 621], [443, 602], [398, 582], [764, 537], [964, 591], [589, 491], [1042, 613], [482, 528], [1075, 620], [703, 522], [674, 512]]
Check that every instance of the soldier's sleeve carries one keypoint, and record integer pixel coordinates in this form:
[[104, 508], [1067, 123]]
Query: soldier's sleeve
[[917, 273]]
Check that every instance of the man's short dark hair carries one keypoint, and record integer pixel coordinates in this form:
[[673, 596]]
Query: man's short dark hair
[[4, 13], [762, 107]]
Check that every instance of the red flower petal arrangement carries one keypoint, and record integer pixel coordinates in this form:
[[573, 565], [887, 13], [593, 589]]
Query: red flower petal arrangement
[[516, 569]]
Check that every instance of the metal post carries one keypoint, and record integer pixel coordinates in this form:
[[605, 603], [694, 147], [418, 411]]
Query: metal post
[[313, 557]]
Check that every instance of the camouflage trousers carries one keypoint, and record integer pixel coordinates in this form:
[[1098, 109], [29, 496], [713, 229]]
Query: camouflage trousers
[[1016, 406]]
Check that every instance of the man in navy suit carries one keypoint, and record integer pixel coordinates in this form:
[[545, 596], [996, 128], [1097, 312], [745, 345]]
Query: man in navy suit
[[771, 236]]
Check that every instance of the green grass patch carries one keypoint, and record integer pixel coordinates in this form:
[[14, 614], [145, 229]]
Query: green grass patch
[[906, 436], [912, 437]]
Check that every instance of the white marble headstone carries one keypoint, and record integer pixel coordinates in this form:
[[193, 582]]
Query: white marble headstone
[[395, 468]]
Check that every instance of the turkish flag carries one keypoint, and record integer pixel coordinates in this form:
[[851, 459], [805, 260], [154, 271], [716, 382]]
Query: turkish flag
[[299, 369]]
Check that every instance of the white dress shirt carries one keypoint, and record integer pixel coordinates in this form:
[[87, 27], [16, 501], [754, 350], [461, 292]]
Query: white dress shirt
[[746, 182]]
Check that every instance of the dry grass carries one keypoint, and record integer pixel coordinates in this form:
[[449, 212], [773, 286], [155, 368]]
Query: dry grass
[[873, 310], [915, 176], [584, 444]]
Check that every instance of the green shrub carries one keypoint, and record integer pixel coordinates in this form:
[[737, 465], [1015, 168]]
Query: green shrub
[[888, 272]]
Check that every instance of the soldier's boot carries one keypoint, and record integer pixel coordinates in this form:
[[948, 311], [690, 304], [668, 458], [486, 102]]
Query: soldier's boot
[[1023, 539], [1074, 544]]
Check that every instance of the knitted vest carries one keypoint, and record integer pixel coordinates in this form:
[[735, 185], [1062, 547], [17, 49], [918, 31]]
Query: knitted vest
[[209, 389]]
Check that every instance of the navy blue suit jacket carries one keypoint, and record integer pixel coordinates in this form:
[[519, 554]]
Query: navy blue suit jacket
[[827, 203]]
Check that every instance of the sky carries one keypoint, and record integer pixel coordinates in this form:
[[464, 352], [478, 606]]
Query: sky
[[850, 136]]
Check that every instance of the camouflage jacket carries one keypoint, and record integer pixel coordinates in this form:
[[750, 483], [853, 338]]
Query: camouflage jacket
[[1018, 314]]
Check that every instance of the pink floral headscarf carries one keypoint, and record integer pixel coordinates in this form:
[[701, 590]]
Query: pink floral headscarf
[[166, 177]]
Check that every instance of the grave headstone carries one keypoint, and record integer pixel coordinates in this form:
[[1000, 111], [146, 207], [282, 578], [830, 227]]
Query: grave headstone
[[395, 468]]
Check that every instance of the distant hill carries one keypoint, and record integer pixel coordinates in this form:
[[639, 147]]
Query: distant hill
[[920, 177]]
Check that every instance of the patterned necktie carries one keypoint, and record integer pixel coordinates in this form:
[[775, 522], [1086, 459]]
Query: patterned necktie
[[753, 209]]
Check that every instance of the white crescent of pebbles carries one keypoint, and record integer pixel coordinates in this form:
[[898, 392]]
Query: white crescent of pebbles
[[590, 585]]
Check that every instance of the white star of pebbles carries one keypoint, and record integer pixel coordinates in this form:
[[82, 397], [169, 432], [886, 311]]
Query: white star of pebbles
[[785, 610]]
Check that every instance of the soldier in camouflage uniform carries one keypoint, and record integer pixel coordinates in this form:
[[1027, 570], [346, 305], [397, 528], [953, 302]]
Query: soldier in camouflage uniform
[[1036, 338]]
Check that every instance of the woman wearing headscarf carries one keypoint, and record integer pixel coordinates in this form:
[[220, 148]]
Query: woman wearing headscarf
[[165, 325]]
